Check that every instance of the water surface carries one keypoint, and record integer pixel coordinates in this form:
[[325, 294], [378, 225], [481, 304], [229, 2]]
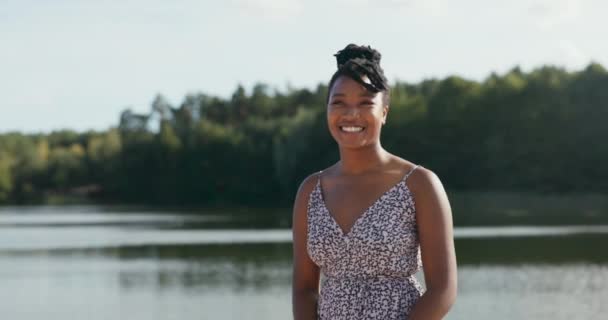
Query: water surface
[[125, 263]]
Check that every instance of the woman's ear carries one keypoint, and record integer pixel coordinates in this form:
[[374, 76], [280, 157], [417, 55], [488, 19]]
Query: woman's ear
[[384, 114]]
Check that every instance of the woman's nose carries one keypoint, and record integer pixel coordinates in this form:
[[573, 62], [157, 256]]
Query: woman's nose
[[351, 112]]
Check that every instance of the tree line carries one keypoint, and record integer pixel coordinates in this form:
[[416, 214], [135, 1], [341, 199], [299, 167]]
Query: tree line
[[542, 131]]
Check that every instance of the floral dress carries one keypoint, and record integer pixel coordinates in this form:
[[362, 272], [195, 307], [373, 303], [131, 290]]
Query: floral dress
[[368, 272]]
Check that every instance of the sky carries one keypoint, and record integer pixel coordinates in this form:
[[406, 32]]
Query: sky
[[76, 64]]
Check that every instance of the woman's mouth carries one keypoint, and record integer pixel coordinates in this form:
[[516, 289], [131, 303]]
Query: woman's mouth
[[351, 129]]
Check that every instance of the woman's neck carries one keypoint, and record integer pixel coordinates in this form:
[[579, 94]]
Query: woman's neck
[[360, 160]]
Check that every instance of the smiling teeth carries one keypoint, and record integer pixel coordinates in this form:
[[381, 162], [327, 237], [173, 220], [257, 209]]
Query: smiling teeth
[[352, 129]]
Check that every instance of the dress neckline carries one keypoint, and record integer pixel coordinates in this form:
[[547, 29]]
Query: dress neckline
[[364, 213]]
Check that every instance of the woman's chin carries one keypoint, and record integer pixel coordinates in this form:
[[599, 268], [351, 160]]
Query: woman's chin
[[353, 144], [352, 140]]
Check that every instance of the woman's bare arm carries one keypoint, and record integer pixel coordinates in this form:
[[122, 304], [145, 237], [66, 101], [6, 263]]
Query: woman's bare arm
[[305, 283], [434, 219]]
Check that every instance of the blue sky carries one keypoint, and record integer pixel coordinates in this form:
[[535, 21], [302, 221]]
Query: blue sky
[[78, 64]]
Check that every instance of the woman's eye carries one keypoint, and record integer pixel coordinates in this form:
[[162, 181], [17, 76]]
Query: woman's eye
[[367, 103], [337, 103]]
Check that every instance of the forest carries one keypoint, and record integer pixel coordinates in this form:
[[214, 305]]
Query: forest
[[540, 131]]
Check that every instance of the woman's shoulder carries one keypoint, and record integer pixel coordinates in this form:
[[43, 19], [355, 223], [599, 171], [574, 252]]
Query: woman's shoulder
[[419, 177], [302, 198], [326, 173], [308, 183], [422, 180]]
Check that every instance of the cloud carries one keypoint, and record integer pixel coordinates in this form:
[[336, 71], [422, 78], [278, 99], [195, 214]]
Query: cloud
[[273, 9], [421, 6], [552, 17], [572, 52], [549, 14]]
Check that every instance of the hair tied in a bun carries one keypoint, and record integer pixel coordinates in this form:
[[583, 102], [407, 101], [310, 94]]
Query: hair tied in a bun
[[353, 51], [359, 62]]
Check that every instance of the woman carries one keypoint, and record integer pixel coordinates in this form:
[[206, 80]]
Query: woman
[[369, 222]]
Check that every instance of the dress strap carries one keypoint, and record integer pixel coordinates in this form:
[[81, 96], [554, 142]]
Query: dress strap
[[319, 178], [410, 172]]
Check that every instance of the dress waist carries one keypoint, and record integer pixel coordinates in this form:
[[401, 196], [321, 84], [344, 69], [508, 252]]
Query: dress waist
[[363, 285], [367, 278]]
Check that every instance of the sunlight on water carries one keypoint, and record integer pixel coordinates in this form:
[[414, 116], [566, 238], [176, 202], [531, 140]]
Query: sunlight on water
[[88, 264], [83, 237], [108, 287]]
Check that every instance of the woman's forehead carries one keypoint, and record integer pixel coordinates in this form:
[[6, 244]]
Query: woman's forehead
[[347, 86]]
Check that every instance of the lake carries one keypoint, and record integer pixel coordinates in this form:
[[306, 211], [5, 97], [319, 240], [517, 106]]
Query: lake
[[95, 262]]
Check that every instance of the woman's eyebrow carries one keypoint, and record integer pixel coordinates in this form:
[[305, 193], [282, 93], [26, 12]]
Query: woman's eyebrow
[[363, 94]]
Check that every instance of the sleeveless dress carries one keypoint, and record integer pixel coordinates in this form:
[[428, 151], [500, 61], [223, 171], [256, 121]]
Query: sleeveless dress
[[368, 272]]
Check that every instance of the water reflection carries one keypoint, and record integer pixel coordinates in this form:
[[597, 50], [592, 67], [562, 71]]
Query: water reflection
[[229, 281], [166, 266], [262, 265]]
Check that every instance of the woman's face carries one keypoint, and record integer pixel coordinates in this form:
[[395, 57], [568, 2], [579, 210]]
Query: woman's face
[[354, 114]]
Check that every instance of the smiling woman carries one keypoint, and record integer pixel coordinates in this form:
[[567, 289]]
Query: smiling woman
[[369, 222], [352, 117]]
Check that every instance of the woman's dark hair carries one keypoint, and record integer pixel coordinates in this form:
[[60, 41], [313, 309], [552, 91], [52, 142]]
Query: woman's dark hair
[[357, 62]]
